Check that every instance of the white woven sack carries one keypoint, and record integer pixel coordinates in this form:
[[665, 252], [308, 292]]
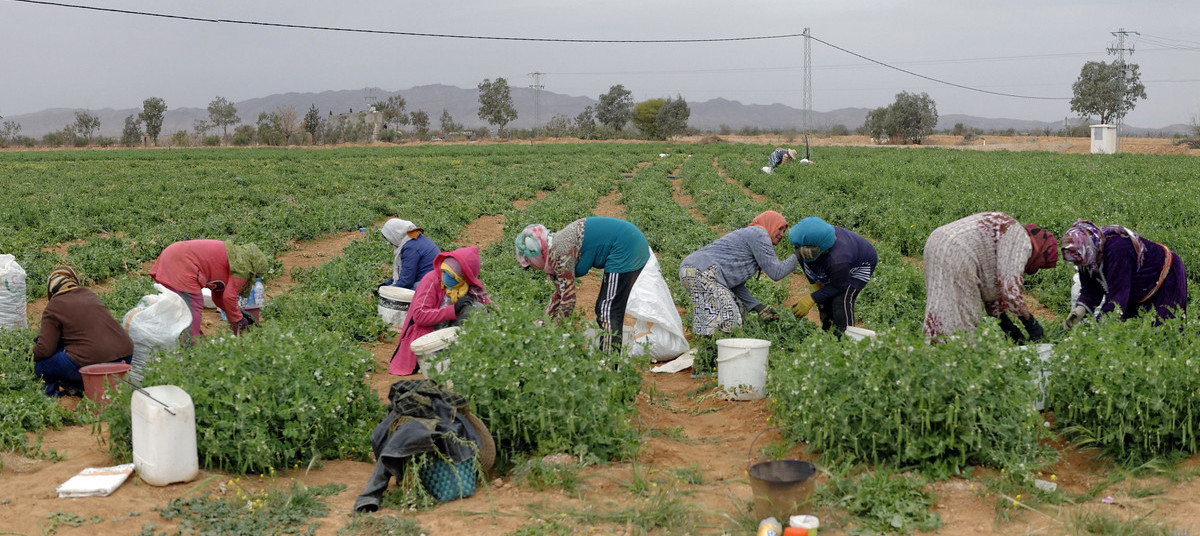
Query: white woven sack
[[155, 324], [12, 293], [658, 330]]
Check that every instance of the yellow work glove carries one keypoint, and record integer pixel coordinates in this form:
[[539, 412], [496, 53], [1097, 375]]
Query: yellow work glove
[[815, 286], [803, 306]]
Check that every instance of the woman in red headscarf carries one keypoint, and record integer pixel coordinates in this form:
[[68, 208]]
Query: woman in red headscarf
[[715, 276], [1119, 269], [444, 295], [976, 263]]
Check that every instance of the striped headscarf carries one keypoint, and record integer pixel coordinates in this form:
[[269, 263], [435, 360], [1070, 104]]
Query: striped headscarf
[[533, 242], [62, 279], [1083, 243]]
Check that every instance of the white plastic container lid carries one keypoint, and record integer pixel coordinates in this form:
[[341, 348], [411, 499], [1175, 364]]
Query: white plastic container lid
[[396, 293], [804, 522], [432, 342], [858, 333]]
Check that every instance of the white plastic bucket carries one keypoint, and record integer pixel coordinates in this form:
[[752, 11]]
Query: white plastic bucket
[[393, 304], [742, 368], [164, 445], [427, 346]]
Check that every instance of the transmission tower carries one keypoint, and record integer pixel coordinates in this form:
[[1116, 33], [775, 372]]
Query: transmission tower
[[807, 81], [537, 97], [1123, 72]]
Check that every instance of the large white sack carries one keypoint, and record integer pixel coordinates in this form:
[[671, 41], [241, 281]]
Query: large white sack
[[12, 293], [155, 324], [657, 320]]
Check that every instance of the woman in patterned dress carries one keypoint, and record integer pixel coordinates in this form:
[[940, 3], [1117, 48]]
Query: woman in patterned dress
[[976, 264]]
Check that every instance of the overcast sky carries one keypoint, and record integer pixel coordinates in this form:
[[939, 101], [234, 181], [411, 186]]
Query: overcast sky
[[60, 57]]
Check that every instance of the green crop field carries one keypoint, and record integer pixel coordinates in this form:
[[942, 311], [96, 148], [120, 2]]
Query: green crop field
[[893, 401]]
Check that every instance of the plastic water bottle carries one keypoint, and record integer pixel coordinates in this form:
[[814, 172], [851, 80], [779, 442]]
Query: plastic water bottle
[[257, 295], [770, 527]]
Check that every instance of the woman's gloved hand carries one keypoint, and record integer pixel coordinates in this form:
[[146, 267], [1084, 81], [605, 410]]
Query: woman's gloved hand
[[1033, 328], [1010, 329], [461, 305], [815, 286], [766, 313], [1078, 313], [803, 306], [238, 327]]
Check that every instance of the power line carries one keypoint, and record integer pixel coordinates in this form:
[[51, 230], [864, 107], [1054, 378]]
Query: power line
[[410, 34]]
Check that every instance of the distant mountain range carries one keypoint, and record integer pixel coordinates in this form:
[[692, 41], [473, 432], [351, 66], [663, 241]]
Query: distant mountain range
[[463, 105]]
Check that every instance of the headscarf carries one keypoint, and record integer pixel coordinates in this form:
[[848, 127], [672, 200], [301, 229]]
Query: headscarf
[[246, 262], [396, 231], [452, 282], [62, 279], [533, 242], [1045, 249], [813, 231], [771, 221], [465, 266], [1083, 242]]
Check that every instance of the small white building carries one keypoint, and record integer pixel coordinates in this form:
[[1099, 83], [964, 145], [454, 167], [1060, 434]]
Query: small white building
[[1104, 139]]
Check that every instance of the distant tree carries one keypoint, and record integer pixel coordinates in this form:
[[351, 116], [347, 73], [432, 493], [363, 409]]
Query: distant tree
[[585, 123], [448, 124], [131, 135], [645, 117], [672, 117], [420, 122], [495, 103], [615, 107], [288, 121], [1107, 90], [201, 127], [243, 135], [223, 114], [180, 139], [86, 124], [312, 122], [153, 110], [876, 125], [392, 110], [912, 116], [9, 132], [270, 129], [558, 126]]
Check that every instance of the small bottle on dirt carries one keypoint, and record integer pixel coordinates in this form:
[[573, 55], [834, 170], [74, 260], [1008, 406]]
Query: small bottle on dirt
[[770, 527]]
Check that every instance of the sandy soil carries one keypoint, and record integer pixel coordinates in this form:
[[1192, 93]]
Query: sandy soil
[[712, 436]]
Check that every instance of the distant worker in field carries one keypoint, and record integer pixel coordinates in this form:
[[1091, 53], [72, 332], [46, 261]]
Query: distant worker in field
[[715, 276], [77, 330], [414, 253], [616, 246], [1119, 270], [442, 298], [779, 156], [838, 264], [977, 264], [226, 269]]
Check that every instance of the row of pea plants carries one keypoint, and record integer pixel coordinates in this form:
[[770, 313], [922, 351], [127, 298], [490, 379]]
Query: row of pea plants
[[1150, 416]]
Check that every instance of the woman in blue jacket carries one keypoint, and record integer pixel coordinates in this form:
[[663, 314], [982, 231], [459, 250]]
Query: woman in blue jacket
[[838, 263]]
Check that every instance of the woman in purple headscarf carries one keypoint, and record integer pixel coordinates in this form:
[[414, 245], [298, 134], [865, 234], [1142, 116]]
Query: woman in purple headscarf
[[1118, 268]]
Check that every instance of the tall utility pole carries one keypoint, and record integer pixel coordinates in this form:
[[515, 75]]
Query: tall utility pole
[[537, 97], [1123, 71], [807, 81]]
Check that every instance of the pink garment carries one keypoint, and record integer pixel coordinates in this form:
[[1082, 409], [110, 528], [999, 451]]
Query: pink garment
[[191, 265], [429, 306]]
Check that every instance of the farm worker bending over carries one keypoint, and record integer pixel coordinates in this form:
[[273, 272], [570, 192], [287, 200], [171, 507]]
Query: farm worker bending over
[[976, 263], [779, 156], [1121, 269], [715, 275], [838, 263], [227, 270], [616, 246], [414, 253], [77, 330], [443, 296]]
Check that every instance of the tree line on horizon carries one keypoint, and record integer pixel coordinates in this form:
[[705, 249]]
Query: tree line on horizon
[[1105, 90]]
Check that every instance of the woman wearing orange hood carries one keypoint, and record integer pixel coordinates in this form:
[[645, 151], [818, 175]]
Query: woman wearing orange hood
[[715, 276], [443, 296]]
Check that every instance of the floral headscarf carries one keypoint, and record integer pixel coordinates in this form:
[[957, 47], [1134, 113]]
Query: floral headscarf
[[1084, 241], [1045, 249], [533, 242]]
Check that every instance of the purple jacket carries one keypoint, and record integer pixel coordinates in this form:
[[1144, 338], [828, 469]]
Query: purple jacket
[[1120, 282]]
